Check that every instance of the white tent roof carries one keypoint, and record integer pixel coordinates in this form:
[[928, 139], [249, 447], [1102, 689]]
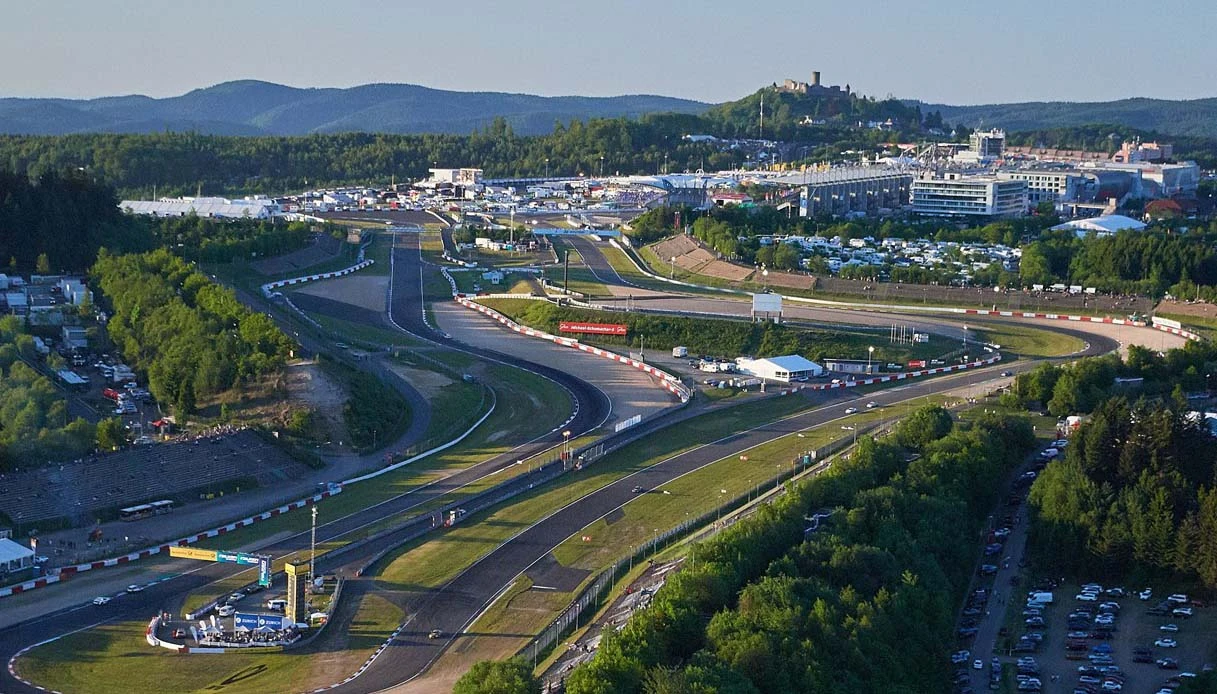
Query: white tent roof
[[13, 551], [1107, 224], [792, 363]]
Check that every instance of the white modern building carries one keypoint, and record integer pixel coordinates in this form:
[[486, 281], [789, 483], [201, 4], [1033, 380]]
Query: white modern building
[[223, 208], [1046, 185], [972, 196], [786, 369]]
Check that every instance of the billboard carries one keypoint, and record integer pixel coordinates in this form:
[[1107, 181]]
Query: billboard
[[766, 303], [592, 328], [253, 621], [192, 553], [1167, 323]]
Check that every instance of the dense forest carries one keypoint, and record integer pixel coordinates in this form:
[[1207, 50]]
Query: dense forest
[[67, 218], [64, 217], [865, 604], [1081, 387], [1134, 492], [191, 337], [1143, 262]]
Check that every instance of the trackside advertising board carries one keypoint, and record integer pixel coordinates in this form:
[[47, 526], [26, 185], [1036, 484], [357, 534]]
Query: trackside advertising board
[[592, 328], [253, 621]]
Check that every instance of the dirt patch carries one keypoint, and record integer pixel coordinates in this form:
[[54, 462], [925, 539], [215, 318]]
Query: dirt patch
[[428, 383], [310, 385], [365, 291], [1188, 308]]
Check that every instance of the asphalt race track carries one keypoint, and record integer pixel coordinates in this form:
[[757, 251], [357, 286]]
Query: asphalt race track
[[452, 607]]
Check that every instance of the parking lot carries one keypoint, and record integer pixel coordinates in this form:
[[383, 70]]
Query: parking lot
[[1018, 633]]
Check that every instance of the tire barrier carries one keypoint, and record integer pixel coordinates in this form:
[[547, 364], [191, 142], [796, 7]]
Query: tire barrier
[[67, 572], [669, 382]]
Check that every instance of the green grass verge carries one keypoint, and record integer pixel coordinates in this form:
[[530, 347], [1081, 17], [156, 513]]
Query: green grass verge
[[437, 560], [1026, 341], [362, 334], [115, 659]]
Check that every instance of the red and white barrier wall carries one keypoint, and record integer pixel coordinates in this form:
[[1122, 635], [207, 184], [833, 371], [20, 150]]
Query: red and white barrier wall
[[67, 572], [270, 287], [669, 382]]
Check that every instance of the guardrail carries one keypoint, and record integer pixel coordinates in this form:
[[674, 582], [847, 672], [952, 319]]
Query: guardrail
[[269, 288], [669, 382]]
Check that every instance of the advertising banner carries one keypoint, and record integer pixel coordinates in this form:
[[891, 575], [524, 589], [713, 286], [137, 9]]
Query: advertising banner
[[253, 621], [193, 553], [592, 328]]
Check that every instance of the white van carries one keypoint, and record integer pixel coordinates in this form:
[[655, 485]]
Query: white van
[[278, 605]]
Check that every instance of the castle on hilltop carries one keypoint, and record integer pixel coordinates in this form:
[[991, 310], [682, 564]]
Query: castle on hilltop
[[813, 88]]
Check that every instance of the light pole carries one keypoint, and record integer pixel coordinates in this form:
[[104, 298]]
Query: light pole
[[672, 265], [642, 348], [853, 429], [547, 167], [565, 447], [870, 352], [601, 166], [312, 559]]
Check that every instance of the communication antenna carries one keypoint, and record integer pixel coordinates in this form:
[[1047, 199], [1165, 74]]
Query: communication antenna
[[762, 128]]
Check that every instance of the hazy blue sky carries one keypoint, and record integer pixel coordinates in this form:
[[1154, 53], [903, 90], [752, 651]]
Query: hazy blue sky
[[713, 50]]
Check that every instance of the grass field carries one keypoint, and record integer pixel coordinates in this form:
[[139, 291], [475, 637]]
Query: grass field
[[115, 659], [436, 561], [1026, 341], [362, 334]]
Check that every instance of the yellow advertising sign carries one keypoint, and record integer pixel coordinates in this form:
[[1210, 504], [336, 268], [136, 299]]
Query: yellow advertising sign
[[192, 553]]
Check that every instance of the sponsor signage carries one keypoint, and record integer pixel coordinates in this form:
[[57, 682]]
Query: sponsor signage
[[1167, 323], [264, 572], [193, 553], [592, 328], [917, 364], [237, 558], [253, 621]]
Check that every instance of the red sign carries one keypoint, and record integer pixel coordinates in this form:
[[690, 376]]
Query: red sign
[[592, 328], [917, 364]]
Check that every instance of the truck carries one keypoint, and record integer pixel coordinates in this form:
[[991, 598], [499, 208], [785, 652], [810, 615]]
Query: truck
[[680, 352]]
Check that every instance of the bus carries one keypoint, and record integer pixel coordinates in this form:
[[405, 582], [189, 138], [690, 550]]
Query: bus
[[134, 513]]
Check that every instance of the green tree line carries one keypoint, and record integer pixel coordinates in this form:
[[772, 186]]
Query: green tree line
[[864, 604], [190, 336], [1148, 262], [1135, 493]]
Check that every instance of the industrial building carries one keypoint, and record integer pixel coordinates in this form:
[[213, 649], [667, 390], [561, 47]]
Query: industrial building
[[971, 196], [786, 369], [220, 208], [858, 189]]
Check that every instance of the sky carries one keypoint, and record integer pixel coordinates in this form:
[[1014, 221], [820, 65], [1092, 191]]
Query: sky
[[938, 51]]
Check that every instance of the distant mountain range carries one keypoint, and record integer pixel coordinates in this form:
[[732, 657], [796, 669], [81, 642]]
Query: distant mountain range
[[250, 107], [1193, 117]]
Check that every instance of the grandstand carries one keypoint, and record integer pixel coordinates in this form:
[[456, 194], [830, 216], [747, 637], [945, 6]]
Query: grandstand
[[79, 491]]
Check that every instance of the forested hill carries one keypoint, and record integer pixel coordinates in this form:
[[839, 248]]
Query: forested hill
[[1194, 117], [251, 107]]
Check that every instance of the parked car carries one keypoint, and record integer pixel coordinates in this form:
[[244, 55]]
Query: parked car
[[226, 610], [1166, 643]]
